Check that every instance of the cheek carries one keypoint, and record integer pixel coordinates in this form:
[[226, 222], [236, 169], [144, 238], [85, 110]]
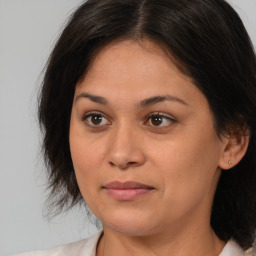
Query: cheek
[[188, 166], [85, 161], [87, 157], [86, 150]]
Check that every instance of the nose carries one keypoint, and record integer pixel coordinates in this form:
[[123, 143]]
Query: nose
[[126, 148]]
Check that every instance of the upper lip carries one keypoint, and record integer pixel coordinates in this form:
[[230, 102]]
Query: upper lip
[[126, 185]]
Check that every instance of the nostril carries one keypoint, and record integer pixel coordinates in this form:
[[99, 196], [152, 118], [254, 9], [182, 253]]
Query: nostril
[[111, 164], [123, 165], [131, 163]]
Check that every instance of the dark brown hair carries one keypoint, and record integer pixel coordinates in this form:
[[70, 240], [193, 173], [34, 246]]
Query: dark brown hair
[[210, 44]]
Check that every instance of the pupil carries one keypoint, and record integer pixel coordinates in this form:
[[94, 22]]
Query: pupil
[[156, 120], [96, 119]]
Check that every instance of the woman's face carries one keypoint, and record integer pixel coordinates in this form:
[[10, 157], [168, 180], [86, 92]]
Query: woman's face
[[143, 145]]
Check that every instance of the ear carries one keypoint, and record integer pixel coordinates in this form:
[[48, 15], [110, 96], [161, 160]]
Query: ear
[[234, 149]]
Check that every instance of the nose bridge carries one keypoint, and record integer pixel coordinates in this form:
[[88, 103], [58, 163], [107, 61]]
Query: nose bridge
[[125, 146]]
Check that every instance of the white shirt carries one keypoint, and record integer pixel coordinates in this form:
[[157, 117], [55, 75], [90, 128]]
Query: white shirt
[[87, 247]]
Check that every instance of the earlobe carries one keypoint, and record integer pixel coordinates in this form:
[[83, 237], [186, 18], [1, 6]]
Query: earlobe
[[234, 151]]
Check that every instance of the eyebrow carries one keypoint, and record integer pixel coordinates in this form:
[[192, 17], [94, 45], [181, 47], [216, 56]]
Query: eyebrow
[[157, 99], [142, 104], [94, 98]]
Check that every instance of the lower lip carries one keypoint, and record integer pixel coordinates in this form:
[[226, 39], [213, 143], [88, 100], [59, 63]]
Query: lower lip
[[127, 194]]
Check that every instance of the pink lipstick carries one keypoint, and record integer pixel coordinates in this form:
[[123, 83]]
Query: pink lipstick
[[127, 191]]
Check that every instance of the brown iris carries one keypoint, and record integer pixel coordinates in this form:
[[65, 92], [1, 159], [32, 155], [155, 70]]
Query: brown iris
[[96, 119], [156, 120]]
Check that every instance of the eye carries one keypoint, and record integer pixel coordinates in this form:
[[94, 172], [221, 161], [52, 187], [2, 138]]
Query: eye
[[159, 120], [95, 120]]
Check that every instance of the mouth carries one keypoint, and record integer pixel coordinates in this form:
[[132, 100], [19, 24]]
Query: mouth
[[127, 191]]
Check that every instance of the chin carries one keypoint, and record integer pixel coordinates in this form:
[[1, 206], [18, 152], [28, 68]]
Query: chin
[[129, 224]]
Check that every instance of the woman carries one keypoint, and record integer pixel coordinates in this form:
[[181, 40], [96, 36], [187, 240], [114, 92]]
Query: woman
[[148, 111]]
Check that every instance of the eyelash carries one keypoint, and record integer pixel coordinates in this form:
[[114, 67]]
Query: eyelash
[[91, 114], [148, 118], [162, 116]]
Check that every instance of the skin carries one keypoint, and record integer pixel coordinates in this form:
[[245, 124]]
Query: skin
[[180, 157]]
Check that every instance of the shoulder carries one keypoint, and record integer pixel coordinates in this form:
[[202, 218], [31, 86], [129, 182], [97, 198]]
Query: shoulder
[[85, 247], [233, 249]]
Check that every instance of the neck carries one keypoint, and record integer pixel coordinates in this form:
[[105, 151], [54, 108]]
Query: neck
[[179, 244]]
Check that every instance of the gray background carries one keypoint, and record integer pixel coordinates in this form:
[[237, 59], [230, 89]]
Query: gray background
[[28, 30]]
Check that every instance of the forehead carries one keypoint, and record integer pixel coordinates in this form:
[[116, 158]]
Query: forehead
[[132, 60]]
